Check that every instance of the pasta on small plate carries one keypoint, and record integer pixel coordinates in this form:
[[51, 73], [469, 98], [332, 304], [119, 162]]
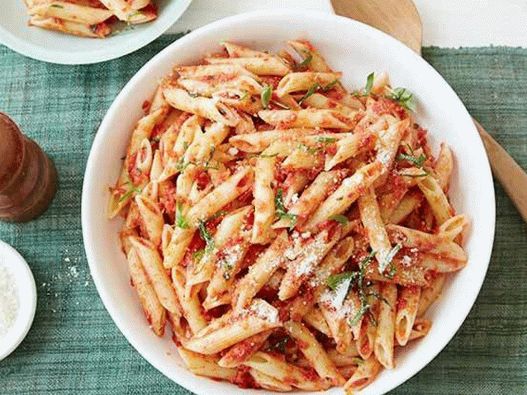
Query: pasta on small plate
[[290, 233]]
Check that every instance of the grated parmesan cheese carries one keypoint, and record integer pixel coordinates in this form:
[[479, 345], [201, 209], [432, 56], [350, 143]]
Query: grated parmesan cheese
[[233, 151], [407, 261], [8, 301], [294, 198]]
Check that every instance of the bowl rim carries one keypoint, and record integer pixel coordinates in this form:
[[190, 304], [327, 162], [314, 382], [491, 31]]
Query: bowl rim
[[103, 54], [110, 305]]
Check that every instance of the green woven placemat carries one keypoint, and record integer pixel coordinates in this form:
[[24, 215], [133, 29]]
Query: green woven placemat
[[74, 345]]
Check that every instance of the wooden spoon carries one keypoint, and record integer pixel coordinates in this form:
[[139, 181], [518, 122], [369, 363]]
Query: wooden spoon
[[400, 19]]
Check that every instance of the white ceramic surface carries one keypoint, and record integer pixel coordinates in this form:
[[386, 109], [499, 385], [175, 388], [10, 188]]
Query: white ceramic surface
[[55, 47], [21, 274], [355, 49]]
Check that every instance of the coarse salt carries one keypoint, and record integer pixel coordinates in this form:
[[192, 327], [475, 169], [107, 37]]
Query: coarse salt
[[8, 301]]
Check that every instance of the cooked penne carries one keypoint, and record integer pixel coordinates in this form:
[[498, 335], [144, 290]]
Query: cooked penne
[[407, 305], [260, 65], [154, 311], [345, 195], [88, 18], [291, 233], [258, 317], [384, 339], [310, 118]]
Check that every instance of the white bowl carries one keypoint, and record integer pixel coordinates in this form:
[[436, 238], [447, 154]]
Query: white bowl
[[21, 275], [55, 47], [355, 49]]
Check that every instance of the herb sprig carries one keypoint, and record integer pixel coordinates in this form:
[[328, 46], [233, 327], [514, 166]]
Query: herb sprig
[[265, 96], [132, 189], [206, 236], [181, 220], [404, 97], [341, 219], [281, 212]]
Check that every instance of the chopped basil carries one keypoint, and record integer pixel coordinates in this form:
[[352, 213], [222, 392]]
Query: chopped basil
[[181, 221], [312, 89], [419, 161], [335, 280], [341, 219], [404, 97], [244, 96], [133, 189], [281, 212], [326, 140], [330, 85], [308, 149], [369, 84], [206, 236], [56, 6], [389, 257], [307, 60], [424, 174], [267, 92], [197, 255]]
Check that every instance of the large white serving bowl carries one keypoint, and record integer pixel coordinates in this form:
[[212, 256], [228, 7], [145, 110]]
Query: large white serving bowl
[[356, 50], [55, 47]]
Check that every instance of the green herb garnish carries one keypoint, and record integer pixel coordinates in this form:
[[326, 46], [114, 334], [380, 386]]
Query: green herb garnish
[[389, 257], [308, 149], [404, 97], [197, 255], [133, 189], [281, 212], [369, 84], [181, 221], [418, 162], [424, 174], [206, 236], [267, 92], [312, 89], [307, 60], [330, 85], [56, 6], [326, 140], [335, 280], [341, 219]]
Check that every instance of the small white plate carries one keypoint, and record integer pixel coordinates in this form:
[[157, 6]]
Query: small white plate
[[55, 47], [26, 294]]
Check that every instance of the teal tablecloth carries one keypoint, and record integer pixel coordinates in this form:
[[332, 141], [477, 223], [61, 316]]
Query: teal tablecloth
[[74, 345]]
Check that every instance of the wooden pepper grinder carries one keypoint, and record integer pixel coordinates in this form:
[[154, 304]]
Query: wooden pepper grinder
[[28, 178]]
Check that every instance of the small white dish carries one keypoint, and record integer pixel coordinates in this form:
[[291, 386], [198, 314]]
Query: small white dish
[[55, 47], [349, 46], [20, 273]]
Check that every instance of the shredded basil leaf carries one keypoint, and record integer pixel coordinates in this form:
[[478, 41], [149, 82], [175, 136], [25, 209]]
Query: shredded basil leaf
[[404, 97], [312, 89], [330, 85], [281, 212], [326, 140], [419, 161], [56, 6], [335, 280], [197, 255], [181, 221], [307, 60], [206, 236], [265, 96], [369, 84], [424, 174], [341, 219], [133, 189], [389, 257]]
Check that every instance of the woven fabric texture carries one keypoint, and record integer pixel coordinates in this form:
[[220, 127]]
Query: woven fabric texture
[[74, 346]]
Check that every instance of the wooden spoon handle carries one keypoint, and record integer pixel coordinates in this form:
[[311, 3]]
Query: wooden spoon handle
[[511, 176]]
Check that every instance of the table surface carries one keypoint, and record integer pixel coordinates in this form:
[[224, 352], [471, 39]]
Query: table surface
[[446, 23]]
